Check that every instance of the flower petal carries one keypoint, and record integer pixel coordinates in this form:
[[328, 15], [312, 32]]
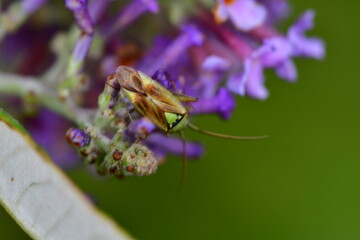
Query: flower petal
[[215, 63], [220, 13], [255, 80], [287, 71], [171, 145], [274, 51], [222, 104], [304, 46], [246, 14]]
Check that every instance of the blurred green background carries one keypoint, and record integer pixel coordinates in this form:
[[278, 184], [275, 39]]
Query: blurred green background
[[301, 183]]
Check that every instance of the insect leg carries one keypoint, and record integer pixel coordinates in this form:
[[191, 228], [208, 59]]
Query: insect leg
[[183, 173]]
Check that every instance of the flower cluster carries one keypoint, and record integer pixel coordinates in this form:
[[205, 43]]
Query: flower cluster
[[212, 54]]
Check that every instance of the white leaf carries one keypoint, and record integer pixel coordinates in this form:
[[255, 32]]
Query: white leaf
[[43, 201]]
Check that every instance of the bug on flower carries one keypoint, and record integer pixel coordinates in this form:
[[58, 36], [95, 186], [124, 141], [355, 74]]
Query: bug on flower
[[156, 102], [153, 100], [163, 107]]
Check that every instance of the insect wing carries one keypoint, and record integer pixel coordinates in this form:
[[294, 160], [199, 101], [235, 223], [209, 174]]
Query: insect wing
[[149, 97], [130, 79], [184, 98], [161, 96], [147, 108]]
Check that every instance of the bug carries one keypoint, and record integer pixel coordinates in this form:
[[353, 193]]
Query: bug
[[153, 100], [162, 106]]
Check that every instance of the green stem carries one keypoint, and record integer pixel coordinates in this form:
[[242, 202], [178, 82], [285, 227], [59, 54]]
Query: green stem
[[22, 86]]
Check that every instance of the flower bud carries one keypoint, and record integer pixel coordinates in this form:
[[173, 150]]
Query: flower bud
[[77, 138], [138, 160]]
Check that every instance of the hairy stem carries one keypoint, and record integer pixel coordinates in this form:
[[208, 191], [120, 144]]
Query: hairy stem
[[22, 86]]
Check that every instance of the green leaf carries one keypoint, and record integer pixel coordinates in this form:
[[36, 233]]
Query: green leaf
[[39, 196], [12, 122]]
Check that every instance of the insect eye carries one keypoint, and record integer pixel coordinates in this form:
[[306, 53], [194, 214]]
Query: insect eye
[[173, 120]]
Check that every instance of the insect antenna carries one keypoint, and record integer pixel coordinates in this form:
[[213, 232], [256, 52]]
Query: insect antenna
[[183, 172], [219, 135]]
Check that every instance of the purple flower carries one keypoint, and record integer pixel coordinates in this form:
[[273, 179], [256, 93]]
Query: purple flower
[[157, 47], [48, 130], [303, 46], [222, 104], [253, 79], [159, 143], [163, 145], [215, 63], [108, 64], [287, 70], [82, 47], [77, 137], [250, 82], [274, 53], [198, 57], [277, 9], [244, 14], [82, 15], [163, 77], [212, 72], [97, 9], [190, 36], [277, 52], [236, 44], [130, 13]]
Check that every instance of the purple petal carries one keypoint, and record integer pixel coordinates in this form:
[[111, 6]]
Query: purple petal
[[130, 13], [236, 83], [287, 71], [305, 22], [255, 80], [174, 51], [274, 51], [212, 72], [77, 137], [193, 35], [81, 13], [48, 130], [151, 5], [75, 5], [82, 47], [277, 9], [157, 48], [244, 14], [222, 104], [171, 145], [97, 9], [220, 12], [304, 46], [237, 44], [108, 64], [163, 77], [215, 63]]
